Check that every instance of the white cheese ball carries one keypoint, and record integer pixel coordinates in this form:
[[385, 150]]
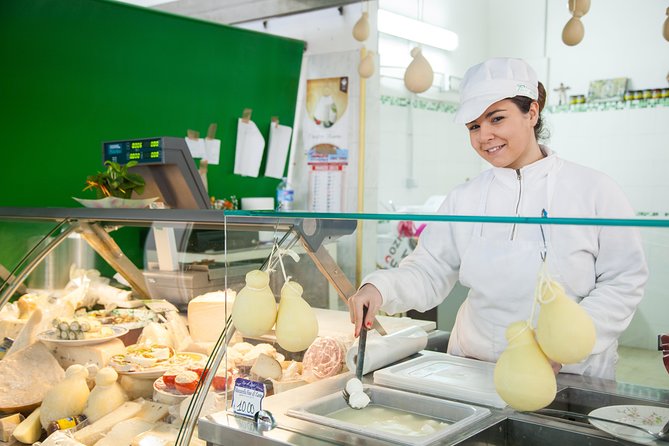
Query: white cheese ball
[[358, 400], [353, 385]]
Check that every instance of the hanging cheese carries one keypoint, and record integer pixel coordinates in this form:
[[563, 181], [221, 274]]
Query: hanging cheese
[[565, 332], [361, 28], [106, 396], [296, 324], [254, 310], [419, 74], [67, 398], [523, 376]]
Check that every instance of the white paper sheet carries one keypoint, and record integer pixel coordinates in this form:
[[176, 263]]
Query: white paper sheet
[[212, 149], [279, 142], [249, 149], [196, 147]]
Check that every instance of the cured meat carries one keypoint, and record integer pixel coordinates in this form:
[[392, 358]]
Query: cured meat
[[324, 357]]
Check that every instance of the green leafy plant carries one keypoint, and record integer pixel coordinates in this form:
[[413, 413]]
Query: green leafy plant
[[115, 181]]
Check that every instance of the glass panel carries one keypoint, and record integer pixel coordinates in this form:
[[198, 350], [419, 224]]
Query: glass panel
[[185, 261]]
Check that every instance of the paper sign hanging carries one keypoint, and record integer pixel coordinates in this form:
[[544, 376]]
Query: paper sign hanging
[[249, 149], [279, 142]]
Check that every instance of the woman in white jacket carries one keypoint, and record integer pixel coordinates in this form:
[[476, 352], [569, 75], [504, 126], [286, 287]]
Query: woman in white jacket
[[601, 267]]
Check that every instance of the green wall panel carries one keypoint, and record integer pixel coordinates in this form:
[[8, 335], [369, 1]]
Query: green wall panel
[[79, 72]]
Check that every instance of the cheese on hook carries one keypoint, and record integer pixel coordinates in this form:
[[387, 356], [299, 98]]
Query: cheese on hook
[[254, 310], [296, 324], [565, 331], [523, 376]]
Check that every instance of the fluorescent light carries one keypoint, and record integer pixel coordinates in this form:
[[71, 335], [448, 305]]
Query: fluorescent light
[[416, 31]]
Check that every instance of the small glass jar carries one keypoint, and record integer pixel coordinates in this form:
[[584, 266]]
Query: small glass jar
[[657, 93], [638, 94], [629, 95], [647, 94]]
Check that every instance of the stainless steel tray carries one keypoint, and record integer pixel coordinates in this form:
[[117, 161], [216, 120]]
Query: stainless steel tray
[[459, 415]]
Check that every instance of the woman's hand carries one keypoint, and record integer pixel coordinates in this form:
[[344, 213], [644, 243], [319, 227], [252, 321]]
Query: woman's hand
[[367, 296]]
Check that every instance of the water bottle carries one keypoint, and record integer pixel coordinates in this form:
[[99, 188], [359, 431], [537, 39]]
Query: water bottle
[[284, 196]]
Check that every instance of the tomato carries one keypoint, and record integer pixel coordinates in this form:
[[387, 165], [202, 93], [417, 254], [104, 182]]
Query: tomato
[[220, 382]]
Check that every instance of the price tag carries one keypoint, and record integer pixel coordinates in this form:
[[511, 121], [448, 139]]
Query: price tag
[[247, 397]]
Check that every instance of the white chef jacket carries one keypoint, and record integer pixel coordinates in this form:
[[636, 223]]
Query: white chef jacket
[[601, 267]]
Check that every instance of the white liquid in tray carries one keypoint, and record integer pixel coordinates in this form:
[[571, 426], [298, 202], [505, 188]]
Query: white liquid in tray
[[389, 420]]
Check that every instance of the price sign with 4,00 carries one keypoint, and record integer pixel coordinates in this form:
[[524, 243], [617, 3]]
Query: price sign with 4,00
[[247, 397]]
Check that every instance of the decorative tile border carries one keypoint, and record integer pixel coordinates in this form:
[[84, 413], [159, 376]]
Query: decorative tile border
[[605, 106], [446, 107], [419, 103]]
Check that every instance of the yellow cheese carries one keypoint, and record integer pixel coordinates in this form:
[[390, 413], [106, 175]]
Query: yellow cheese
[[124, 432], [30, 429]]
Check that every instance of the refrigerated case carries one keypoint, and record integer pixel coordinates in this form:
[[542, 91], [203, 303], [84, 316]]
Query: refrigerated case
[[163, 264]]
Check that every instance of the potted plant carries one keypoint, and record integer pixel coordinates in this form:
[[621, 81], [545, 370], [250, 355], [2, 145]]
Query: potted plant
[[115, 181]]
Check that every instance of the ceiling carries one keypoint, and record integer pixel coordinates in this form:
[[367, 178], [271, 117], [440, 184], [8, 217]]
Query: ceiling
[[231, 12]]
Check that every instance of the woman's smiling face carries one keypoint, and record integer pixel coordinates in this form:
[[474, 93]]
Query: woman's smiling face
[[504, 136]]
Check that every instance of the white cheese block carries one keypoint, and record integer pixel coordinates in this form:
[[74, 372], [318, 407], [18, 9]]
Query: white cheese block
[[27, 375], [153, 412], [124, 432], [98, 354], [206, 315], [162, 434], [92, 433]]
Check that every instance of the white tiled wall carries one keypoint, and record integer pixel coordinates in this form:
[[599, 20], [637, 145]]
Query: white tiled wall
[[631, 145]]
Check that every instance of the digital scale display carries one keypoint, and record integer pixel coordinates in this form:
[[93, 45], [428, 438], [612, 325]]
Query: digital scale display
[[144, 151]]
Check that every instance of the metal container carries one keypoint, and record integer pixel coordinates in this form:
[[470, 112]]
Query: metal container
[[457, 415], [54, 272]]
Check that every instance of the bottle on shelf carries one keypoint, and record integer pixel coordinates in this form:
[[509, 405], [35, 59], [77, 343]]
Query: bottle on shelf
[[284, 196]]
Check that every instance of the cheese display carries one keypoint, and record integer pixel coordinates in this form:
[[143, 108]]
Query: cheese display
[[254, 310], [27, 376], [523, 376], [267, 367], [565, 331], [7, 426], [296, 324], [207, 314], [92, 433]]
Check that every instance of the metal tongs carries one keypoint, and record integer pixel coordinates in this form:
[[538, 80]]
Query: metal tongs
[[362, 344]]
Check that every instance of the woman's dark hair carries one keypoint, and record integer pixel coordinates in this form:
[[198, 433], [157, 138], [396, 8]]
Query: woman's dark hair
[[523, 103]]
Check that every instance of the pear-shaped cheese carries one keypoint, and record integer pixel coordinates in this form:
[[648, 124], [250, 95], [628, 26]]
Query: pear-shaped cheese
[[523, 376], [573, 31], [67, 398], [361, 28], [106, 396], [565, 332], [296, 324], [366, 67], [254, 310], [419, 75]]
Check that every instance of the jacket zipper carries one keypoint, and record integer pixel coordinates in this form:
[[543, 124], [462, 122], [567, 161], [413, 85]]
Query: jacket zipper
[[520, 193]]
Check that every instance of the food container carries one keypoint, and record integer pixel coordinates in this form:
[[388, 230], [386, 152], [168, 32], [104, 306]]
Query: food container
[[451, 415]]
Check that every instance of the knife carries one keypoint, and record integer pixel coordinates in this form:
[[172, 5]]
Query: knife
[[362, 343]]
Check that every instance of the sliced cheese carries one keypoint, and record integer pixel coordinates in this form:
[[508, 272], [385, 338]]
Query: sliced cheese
[[27, 375], [92, 433], [98, 354], [30, 429], [124, 432], [267, 367]]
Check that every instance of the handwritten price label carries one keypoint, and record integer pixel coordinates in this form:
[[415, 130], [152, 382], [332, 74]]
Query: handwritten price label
[[247, 397]]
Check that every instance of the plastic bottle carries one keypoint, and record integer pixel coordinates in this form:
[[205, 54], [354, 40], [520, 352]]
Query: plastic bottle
[[284, 196]]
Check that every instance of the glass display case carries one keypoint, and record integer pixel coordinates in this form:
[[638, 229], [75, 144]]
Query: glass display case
[[138, 306]]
